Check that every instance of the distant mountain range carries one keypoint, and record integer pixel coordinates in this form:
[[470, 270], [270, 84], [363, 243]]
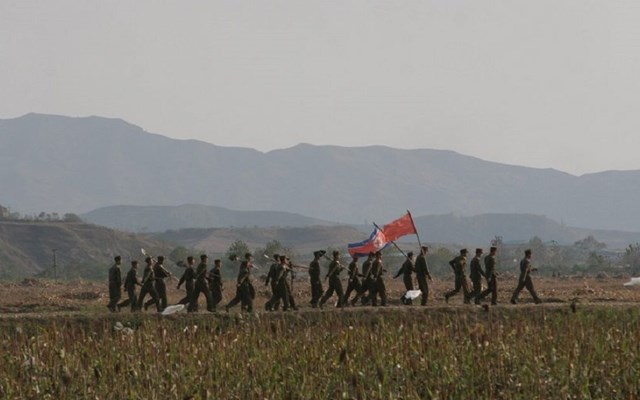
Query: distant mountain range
[[62, 164]]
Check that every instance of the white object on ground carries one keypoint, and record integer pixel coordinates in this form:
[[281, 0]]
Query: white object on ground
[[633, 282], [412, 294], [173, 309]]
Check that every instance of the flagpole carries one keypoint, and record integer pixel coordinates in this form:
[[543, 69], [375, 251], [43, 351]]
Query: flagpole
[[392, 242], [415, 229]]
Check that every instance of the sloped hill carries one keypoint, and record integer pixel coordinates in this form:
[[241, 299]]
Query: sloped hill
[[82, 250], [162, 218], [302, 240]]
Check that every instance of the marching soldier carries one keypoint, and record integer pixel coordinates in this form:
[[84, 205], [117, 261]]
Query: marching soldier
[[130, 282], [115, 284], [459, 265], [148, 280], [525, 279], [490, 275], [289, 283], [379, 289], [334, 280], [201, 286], [314, 277], [406, 271], [476, 273], [354, 283], [245, 293], [368, 283], [161, 287], [271, 278], [422, 273], [215, 283], [188, 277], [281, 291]]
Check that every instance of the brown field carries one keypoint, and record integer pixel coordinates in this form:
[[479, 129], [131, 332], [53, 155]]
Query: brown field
[[41, 297]]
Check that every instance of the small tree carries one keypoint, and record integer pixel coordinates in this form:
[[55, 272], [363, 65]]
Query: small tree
[[235, 252], [631, 258]]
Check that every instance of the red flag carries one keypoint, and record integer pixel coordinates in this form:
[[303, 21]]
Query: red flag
[[400, 227]]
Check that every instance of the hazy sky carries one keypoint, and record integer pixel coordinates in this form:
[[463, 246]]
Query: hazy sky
[[538, 83]]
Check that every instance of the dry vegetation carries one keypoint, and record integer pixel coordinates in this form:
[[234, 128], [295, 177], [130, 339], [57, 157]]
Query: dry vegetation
[[58, 341]]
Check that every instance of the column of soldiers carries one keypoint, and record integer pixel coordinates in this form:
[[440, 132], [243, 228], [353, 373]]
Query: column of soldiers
[[366, 286]]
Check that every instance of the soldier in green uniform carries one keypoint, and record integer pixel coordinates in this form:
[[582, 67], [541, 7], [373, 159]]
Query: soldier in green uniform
[[422, 274], [490, 275], [459, 265], [525, 279], [245, 292], [407, 269], [201, 286], [476, 273], [314, 277], [130, 283], [271, 278], [115, 284], [354, 283], [281, 291], [148, 280], [161, 287], [379, 288], [188, 278], [291, 274], [215, 283], [335, 285], [368, 283]]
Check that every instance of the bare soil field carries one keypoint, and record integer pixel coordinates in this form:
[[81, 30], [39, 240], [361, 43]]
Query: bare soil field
[[38, 298]]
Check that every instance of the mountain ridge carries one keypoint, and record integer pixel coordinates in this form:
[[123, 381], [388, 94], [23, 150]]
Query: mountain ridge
[[81, 164]]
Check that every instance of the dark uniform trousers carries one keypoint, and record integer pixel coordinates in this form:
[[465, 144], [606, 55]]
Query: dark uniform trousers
[[353, 285], [460, 283], [492, 288], [149, 289], [424, 288], [200, 287], [334, 286]]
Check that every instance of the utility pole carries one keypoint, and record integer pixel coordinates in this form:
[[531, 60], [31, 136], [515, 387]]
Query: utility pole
[[55, 266]]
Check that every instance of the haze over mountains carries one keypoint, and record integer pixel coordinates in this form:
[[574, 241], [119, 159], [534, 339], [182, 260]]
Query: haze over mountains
[[62, 164]]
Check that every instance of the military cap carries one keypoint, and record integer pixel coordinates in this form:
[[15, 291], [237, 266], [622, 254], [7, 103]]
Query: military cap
[[378, 253], [410, 254], [493, 248], [160, 258], [190, 259], [276, 256], [283, 258], [147, 260], [527, 252], [203, 256], [117, 258], [134, 263], [371, 254], [336, 253], [464, 251], [248, 255], [478, 251], [217, 261]]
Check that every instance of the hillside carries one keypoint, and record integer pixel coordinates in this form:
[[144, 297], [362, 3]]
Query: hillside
[[82, 250], [162, 218], [80, 164], [303, 240]]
